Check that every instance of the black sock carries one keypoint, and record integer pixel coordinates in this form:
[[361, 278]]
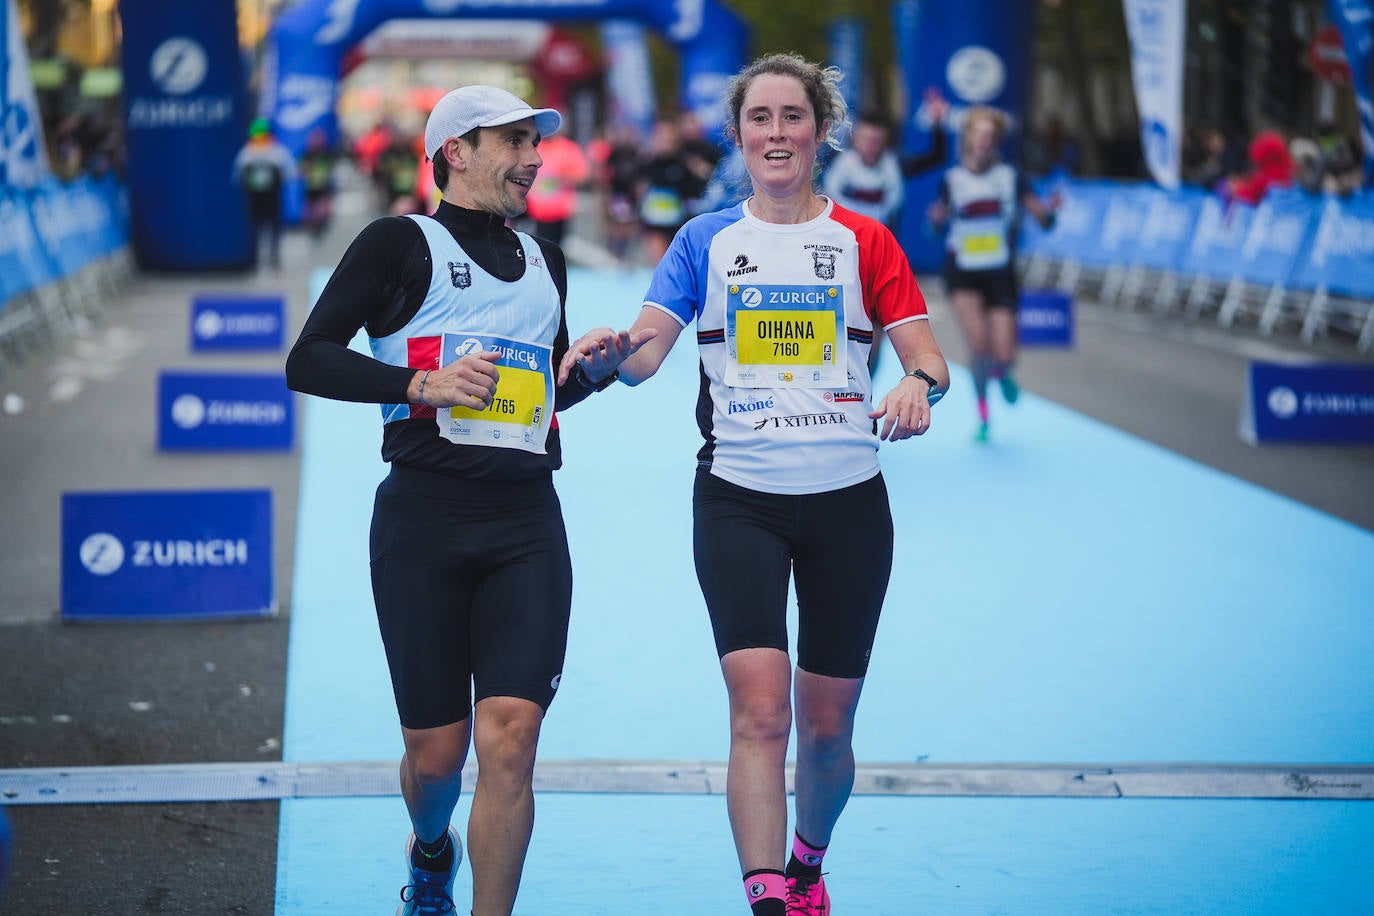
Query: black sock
[[436, 856], [771, 907]]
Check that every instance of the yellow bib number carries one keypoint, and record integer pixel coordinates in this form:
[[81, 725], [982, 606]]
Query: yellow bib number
[[519, 399], [786, 338], [982, 244]]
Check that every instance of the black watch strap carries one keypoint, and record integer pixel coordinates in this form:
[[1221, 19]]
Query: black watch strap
[[580, 374], [934, 394]]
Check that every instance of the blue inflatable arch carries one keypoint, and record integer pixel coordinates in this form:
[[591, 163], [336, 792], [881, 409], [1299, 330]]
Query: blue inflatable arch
[[307, 45]]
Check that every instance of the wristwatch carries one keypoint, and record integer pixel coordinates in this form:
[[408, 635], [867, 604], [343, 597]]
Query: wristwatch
[[934, 394], [580, 374]]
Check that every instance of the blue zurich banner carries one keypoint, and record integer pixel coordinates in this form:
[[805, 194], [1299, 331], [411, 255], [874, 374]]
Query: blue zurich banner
[[185, 106], [163, 555], [236, 322], [1044, 317], [202, 411], [847, 41], [1310, 403], [976, 52]]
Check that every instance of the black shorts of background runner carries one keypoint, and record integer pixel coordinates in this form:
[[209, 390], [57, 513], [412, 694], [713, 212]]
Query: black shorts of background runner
[[997, 285], [747, 543], [473, 583]]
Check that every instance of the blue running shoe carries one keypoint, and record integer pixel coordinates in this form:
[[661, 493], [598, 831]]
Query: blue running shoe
[[1010, 390], [430, 893]]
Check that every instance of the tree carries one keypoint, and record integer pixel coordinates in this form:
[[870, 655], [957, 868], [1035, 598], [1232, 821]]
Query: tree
[[46, 18]]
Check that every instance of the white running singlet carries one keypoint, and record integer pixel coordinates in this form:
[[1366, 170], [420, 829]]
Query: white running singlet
[[785, 316], [469, 309]]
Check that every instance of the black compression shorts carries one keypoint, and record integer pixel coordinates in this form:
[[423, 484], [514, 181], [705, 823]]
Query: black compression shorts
[[837, 547], [997, 285], [473, 586]]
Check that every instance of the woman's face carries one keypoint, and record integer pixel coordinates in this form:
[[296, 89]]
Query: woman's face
[[982, 141], [779, 135]]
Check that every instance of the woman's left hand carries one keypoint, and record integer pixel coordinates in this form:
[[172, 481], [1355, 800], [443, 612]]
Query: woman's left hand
[[906, 410]]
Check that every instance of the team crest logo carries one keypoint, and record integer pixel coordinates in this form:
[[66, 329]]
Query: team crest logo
[[824, 262], [460, 274]]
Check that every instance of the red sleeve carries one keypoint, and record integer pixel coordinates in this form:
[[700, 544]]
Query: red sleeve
[[890, 291]]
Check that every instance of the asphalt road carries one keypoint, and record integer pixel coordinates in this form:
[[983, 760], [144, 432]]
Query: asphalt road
[[105, 694]]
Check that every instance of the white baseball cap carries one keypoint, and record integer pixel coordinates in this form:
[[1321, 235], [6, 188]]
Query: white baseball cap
[[482, 106]]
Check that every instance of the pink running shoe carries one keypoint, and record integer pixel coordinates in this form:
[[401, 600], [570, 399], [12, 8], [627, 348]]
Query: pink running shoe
[[807, 897]]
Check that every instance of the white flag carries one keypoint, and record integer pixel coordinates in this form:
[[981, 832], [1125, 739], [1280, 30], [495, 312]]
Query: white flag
[[1156, 29]]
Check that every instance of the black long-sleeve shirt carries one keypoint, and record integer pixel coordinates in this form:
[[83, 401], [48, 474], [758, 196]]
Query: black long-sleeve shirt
[[379, 285]]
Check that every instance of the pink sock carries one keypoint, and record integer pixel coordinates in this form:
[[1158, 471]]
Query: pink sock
[[765, 884], [983, 410], [805, 853]]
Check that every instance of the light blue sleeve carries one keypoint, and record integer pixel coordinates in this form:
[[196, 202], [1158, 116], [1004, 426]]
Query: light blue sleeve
[[679, 282]]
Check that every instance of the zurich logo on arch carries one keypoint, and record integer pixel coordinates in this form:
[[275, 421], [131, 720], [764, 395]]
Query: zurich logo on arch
[[178, 65]]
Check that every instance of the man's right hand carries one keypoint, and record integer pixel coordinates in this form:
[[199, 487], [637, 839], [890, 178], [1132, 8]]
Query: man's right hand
[[469, 381]]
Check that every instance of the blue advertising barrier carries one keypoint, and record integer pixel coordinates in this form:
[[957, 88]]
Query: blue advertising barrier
[[1218, 236], [1279, 231], [164, 555], [202, 411], [1308, 403], [237, 322], [24, 265], [1077, 230], [1044, 317], [1167, 228], [1292, 239], [69, 219], [53, 230], [1341, 254], [186, 118]]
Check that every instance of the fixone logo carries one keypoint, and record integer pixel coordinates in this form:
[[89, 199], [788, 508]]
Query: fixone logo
[[101, 554], [178, 65], [756, 889], [749, 405], [1283, 402]]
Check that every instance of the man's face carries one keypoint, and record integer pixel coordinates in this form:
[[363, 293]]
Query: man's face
[[499, 170], [869, 141]]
